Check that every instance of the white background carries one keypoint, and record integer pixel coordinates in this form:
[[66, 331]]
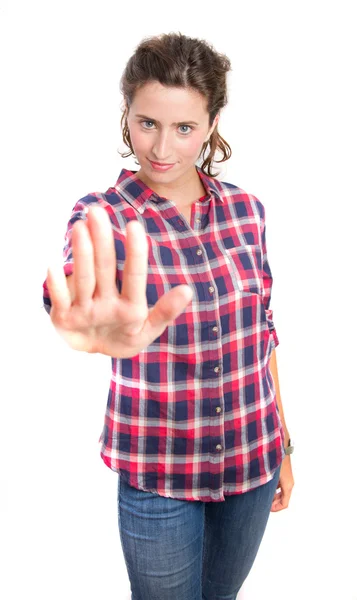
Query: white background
[[291, 122]]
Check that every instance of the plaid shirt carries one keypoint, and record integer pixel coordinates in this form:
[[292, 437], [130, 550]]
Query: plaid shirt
[[194, 415]]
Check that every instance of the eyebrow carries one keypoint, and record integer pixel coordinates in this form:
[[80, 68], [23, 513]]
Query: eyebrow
[[154, 121]]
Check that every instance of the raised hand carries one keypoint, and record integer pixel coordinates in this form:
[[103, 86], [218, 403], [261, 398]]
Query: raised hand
[[87, 309]]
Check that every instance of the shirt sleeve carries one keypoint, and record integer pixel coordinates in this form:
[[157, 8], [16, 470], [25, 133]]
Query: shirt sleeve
[[78, 212], [267, 284]]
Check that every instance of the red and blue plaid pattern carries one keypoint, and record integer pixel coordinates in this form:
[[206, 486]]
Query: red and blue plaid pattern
[[194, 415]]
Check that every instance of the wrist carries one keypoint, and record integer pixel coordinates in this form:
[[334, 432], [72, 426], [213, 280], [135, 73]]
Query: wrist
[[289, 446]]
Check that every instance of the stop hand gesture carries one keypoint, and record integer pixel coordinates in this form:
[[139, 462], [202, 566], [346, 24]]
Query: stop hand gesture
[[87, 309]]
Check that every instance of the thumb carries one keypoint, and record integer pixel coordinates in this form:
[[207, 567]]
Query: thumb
[[170, 306]]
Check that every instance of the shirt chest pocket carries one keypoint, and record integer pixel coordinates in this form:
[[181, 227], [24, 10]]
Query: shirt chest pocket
[[246, 267]]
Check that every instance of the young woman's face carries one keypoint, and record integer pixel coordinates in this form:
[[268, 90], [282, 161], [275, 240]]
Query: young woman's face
[[168, 125]]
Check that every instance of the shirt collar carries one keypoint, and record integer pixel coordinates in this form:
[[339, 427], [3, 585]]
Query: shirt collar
[[138, 194]]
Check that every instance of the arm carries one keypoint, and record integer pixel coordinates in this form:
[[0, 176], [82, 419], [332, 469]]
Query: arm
[[286, 478], [267, 289], [274, 371]]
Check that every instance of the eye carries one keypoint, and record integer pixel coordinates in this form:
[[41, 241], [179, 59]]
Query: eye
[[142, 122], [186, 132]]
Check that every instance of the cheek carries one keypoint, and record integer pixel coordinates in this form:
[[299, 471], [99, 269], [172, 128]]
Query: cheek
[[192, 146], [138, 140]]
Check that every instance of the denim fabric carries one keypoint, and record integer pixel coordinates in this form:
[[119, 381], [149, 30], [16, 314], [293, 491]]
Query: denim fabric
[[191, 550]]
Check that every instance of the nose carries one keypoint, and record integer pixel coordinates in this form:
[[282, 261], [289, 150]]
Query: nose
[[162, 147]]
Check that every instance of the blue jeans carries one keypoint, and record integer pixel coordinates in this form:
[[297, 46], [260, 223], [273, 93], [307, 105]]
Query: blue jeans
[[191, 550]]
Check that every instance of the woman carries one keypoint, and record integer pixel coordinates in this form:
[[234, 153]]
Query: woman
[[167, 273]]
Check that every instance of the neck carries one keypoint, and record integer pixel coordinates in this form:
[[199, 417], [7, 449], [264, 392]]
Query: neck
[[189, 186]]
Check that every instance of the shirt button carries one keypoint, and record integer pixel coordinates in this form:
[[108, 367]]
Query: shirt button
[[218, 409], [198, 220], [211, 289], [217, 369], [218, 447], [214, 328], [199, 252]]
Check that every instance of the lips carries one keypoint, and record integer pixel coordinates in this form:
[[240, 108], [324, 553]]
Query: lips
[[161, 166]]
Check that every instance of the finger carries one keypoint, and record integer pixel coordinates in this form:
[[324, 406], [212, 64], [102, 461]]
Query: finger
[[280, 502], [58, 289], [170, 306], [277, 498], [83, 263], [276, 504], [135, 266], [285, 498], [101, 232]]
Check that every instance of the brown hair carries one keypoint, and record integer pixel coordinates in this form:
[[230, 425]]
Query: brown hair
[[176, 60]]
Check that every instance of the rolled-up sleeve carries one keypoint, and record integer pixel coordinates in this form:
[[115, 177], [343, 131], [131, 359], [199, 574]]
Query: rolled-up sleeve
[[267, 284]]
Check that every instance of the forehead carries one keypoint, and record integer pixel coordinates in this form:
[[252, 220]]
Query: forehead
[[163, 102]]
